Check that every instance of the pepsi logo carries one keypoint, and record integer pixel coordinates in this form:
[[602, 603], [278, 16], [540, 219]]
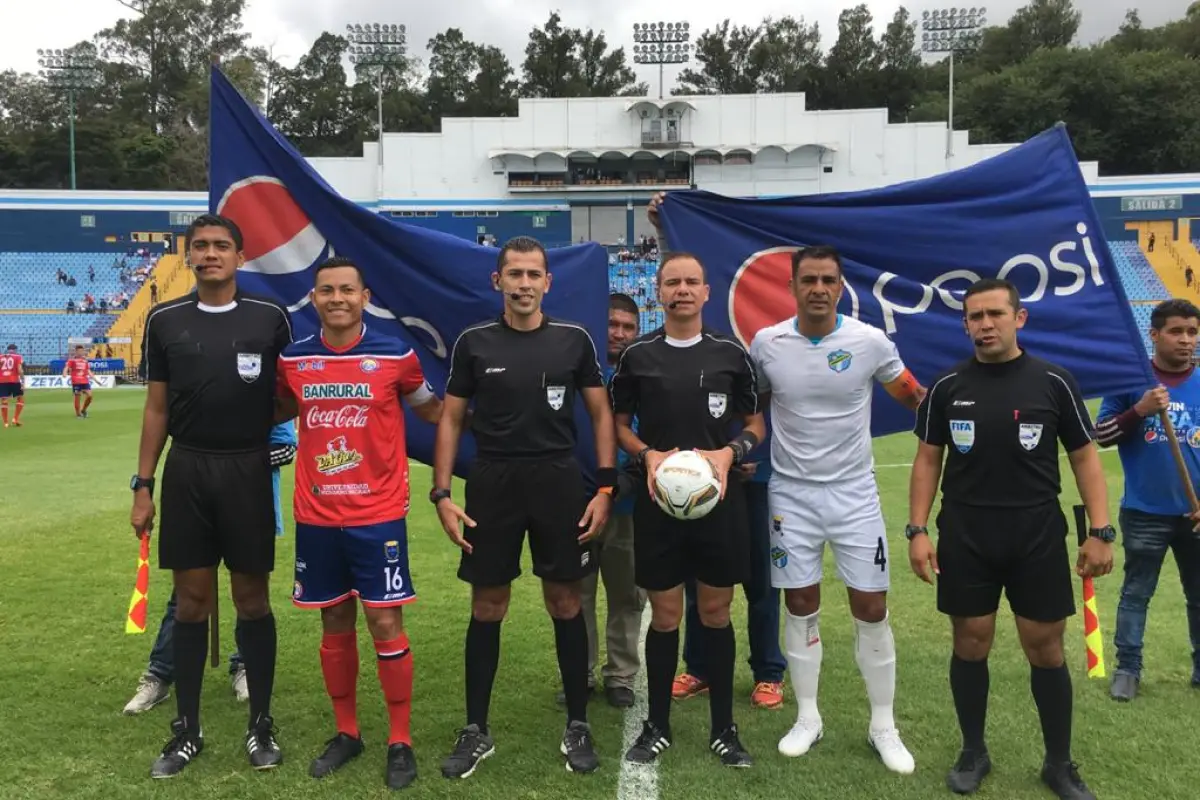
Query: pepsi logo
[[279, 237], [760, 295]]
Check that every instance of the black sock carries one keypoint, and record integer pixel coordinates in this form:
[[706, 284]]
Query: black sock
[[256, 639], [719, 654], [570, 640], [662, 659], [1052, 694], [191, 648], [969, 683], [483, 656]]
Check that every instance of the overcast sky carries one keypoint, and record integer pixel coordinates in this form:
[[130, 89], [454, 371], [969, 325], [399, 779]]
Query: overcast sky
[[290, 26]]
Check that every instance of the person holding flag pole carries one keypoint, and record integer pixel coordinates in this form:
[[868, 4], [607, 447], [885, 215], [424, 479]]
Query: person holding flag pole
[[1157, 514]]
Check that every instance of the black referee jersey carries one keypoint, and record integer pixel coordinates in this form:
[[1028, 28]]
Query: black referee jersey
[[685, 394], [219, 364], [524, 385], [1001, 424]]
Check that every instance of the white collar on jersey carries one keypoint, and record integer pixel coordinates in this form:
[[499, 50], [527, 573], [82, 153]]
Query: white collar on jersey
[[683, 342], [230, 306]]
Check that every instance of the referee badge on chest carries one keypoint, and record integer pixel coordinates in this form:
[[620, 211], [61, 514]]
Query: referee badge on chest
[[1029, 435], [962, 433], [555, 395], [717, 403], [249, 366]]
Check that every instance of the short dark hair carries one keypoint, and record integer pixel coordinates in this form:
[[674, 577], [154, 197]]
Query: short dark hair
[[816, 252], [12, 347], [676, 255], [622, 302], [521, 244], [213, 221], [333, 262], [990, 285], [78, 347], [1175, 307]]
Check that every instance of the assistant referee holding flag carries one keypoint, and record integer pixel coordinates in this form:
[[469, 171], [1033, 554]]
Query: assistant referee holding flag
[[690, 388], [1001, 526], [210, 362], [524, 371]]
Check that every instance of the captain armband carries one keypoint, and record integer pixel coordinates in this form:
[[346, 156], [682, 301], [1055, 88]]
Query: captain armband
[[904, 386], [742, 444]]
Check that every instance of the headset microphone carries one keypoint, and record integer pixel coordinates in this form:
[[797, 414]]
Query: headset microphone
[[980, 343], [671, 306], [514, 296]]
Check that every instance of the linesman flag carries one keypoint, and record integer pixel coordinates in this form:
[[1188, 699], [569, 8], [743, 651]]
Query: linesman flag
[[135, 619]]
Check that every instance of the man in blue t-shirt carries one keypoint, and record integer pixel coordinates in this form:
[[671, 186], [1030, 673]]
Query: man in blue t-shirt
[[1155, 512], [625, 600]]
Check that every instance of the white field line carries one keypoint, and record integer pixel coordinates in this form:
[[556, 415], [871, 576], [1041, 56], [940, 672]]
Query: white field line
[[637, 781]]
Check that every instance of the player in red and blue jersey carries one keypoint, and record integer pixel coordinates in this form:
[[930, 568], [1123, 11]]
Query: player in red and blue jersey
[[12, 374], [80, 371], [352, 496]]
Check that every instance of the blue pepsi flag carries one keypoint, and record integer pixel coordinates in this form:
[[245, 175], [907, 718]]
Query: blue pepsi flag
[[426, 286], [911, 250]]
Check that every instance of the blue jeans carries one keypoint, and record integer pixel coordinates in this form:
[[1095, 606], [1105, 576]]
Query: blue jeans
[[1147, 537], [162, 657], [766, 658]]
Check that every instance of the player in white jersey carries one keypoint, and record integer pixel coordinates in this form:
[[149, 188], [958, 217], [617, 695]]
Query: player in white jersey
[[819, 370]]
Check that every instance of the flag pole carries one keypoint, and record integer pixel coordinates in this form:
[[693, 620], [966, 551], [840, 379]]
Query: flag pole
[[214, 626], [1092, 639], [1180, 464]]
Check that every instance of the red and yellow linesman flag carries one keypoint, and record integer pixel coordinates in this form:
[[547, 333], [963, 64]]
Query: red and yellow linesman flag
[[1091, 631], [135, 620]]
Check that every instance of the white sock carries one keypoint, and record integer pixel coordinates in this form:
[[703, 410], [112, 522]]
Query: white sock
[[875, 651], [802, 641]]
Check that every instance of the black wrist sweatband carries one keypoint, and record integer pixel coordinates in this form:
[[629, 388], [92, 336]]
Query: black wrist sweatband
[[742, 444], [607, 477]]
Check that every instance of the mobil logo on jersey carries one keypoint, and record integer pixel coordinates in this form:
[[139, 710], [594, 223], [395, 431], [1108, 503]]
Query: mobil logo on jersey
[[281, 243]]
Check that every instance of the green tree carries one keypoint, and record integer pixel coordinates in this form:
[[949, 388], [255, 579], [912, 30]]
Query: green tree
[[852, 67], [568, 62], [726, 55]]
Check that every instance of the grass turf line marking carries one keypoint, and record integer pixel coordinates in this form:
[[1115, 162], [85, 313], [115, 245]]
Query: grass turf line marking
[[637, 781]]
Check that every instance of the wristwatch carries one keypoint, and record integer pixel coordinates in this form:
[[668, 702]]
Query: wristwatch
[[136, 483], [913, 531], [438, 495], [1106, 534]]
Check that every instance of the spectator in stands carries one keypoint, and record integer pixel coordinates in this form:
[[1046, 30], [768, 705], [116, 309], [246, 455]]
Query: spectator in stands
[[91, 273], [70, 306], [1150, 244], [1189, 276], [153, 293]]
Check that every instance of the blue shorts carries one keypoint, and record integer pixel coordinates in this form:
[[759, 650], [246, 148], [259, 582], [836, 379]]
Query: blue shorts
[[81, 387], [370, 561], [11, 390]]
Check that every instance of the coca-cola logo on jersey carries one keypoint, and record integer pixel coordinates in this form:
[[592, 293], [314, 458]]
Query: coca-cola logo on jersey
[[344, 417]]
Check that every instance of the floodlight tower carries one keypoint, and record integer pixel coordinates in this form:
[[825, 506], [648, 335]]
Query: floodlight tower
[[378, 46], [70, 70], [661, 43], [951, 30]]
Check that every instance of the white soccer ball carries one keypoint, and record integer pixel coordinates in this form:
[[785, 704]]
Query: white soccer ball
[[685, 485]]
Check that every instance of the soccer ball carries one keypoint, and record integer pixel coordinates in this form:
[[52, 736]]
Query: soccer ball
[[685, 485]]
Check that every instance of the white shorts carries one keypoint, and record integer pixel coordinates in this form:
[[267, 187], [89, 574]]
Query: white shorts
[[804, 516]]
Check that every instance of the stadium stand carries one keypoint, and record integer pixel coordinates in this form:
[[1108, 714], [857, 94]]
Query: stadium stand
[[634, 275], [171, 279], [1138, 277], [42, 336]]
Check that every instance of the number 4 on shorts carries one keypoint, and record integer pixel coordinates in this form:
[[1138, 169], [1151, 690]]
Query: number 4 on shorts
[[880, 557]]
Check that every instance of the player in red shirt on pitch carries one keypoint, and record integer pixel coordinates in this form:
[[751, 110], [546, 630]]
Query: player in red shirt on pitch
[[346, 385], [12, 374], [81, 379]]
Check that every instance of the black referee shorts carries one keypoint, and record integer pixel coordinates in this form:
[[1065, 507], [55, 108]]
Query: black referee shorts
[[714, 550], [506, 499], [1022, 551], [217, 507]]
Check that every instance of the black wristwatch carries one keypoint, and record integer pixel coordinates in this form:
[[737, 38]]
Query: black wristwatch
[[136, 483], [1106, 534], [913, 531], [438, 495], [641, 455]]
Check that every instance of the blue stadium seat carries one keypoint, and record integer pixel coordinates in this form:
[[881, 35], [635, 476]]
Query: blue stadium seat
[[43, 337], [1138, 278], [636, 279], [27, 280]]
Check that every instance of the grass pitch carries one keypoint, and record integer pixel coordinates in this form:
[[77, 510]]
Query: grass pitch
[[67, 557]]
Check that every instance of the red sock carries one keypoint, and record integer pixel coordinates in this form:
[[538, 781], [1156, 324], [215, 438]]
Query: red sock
[[20, 405], [87, 402], [339, 665], [396, 677], [4, 412], [77, 405]]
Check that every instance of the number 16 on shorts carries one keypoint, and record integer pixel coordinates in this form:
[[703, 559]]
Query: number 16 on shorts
[[370, 561]]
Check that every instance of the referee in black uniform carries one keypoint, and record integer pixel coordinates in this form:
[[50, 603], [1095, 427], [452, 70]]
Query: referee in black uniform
[[690, 388], [524, 370], [210, 360], [1000, 416]]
